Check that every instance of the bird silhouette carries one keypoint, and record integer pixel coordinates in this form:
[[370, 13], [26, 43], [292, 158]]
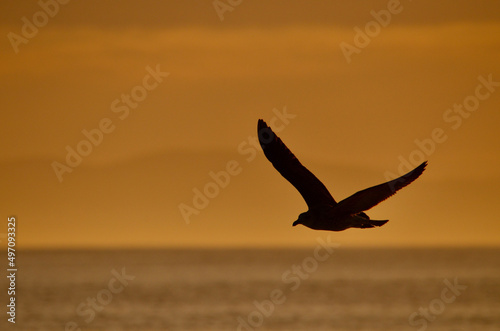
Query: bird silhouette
[[324, 212]]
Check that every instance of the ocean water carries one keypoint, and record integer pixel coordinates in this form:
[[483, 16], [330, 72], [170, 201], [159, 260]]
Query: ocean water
[[307, 289]]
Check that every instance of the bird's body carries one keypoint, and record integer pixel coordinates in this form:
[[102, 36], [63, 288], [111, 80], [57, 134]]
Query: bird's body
[[324, 212], [328, 218]]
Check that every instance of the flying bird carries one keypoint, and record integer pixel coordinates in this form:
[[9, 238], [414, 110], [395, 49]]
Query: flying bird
[[324, 212]]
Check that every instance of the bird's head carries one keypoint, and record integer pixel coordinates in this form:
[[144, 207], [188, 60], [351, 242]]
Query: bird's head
[[303, 219]]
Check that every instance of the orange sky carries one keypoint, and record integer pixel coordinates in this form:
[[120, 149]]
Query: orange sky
[[169, 93]]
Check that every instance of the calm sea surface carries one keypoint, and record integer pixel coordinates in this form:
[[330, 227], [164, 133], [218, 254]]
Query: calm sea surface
[[310, 289]]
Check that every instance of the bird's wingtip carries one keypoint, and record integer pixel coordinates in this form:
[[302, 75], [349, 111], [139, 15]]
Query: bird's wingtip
[[422, 166]]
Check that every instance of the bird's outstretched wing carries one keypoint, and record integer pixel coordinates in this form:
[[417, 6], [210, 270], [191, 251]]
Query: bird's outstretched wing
[[311, 188], [370, 197]]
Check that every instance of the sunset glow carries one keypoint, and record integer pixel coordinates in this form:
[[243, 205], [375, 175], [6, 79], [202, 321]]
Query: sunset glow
[[134, 125]]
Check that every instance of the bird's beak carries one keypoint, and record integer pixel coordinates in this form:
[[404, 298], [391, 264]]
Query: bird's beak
[[295, 223]]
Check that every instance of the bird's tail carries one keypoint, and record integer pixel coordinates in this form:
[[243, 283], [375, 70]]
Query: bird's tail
[[372, 223]]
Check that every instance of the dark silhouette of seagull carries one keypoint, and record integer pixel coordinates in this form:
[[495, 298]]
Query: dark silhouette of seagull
[[324, 213]]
